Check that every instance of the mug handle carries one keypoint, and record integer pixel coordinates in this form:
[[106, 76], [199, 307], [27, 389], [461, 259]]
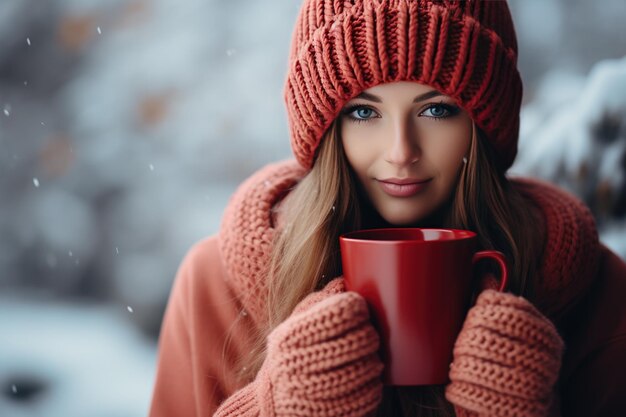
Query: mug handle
[[500, 259]]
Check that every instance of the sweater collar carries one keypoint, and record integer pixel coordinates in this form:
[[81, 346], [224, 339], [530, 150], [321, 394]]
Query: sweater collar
[[247, 231], [569, 264], [571, 257]]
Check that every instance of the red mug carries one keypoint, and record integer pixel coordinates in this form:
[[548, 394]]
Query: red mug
[[418, 284]]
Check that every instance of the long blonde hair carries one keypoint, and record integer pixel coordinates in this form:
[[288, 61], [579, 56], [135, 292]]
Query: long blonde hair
[[325, 204]]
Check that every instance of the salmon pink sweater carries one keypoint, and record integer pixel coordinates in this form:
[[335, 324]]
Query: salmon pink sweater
[[507, 358]]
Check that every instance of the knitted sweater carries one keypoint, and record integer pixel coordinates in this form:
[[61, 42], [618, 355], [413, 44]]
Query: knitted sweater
[[218, 297]]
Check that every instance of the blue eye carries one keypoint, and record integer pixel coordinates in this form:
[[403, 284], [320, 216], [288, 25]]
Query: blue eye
[[436, 111], [440, 111], [359, 113], [364, 113]]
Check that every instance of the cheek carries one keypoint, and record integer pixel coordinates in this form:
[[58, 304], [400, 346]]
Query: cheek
[[360, 148], [448, 149]]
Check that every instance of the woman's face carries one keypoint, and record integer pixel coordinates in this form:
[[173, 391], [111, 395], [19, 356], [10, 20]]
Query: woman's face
[[406, 143]]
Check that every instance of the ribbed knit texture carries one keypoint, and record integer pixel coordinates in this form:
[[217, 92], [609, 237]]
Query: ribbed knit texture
[[572, 252], [322, 361], [506, 359], [246, 232], [498, 325], [465, 49]]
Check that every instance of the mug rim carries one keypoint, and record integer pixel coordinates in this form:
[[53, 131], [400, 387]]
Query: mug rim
[[459, 235]]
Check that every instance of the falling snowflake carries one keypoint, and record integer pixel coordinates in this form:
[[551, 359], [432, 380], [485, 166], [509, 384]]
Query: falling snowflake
[[36, 182], [129, 308], [231, 52], [99, 31], [14, 388], [117, 250], [151, 167], [70, 253], [6, 112], [28, 41]]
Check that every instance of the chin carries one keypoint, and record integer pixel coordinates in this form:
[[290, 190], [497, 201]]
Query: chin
[[410, 213], [402, 219]]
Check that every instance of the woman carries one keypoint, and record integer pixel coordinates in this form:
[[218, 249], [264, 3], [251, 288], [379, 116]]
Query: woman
[[402, 113]]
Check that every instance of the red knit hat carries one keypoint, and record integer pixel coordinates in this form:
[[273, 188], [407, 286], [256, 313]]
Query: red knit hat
[[465, 49]]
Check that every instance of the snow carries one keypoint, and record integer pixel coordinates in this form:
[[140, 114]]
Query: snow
[[155, 115], [573, 135], [89, 361]]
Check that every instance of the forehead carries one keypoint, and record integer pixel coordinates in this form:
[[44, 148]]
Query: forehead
[[399, 86], [399, 91]]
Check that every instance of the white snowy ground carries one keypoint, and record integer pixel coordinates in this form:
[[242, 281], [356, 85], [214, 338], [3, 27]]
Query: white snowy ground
[[72, 360]]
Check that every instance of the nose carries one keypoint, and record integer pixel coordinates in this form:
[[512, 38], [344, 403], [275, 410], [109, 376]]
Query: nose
[[404, 148]]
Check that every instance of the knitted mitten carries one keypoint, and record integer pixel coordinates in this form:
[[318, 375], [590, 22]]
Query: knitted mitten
[[506, 359], [321, 361]]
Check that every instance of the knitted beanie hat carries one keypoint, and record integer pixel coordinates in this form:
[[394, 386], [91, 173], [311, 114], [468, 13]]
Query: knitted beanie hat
[[465, 49]]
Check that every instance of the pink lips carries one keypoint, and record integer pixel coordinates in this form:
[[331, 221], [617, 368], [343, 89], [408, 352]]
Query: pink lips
[[403, 187]]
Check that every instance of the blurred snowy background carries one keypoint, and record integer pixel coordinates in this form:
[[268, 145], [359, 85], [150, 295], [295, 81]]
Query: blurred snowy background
[[125, 125]]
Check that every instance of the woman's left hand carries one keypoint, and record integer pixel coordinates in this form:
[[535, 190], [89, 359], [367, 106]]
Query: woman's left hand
[[507, 359]]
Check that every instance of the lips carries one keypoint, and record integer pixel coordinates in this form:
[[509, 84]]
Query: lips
[[403, 187]]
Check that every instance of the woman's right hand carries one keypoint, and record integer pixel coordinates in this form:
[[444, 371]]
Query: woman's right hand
[[321, 361]]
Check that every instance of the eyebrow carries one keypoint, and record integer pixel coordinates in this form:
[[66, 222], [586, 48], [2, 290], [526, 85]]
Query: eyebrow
[[421, 97]]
